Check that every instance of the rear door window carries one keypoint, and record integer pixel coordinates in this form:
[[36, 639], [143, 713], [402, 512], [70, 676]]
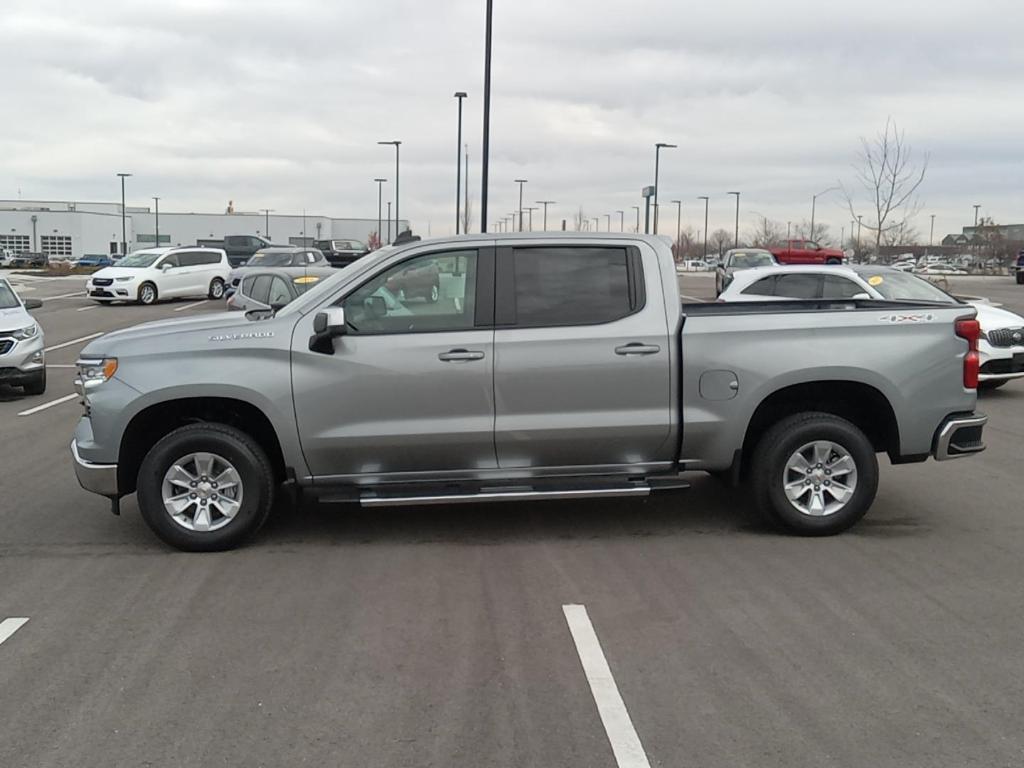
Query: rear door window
[[763, 287], [279, 293], [798, 286], [261, 289], [836, 287], [190, 259], [553, 286]]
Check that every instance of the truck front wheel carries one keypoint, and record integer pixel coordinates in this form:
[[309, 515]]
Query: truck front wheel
[[814, 474], [205, 487]]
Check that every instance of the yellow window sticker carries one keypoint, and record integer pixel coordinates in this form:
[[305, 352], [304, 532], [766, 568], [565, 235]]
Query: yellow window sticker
[[876, 280]]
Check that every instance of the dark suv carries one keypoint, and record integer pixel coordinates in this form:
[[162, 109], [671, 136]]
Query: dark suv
[[341, 253], [240, 247], [1018, 267]]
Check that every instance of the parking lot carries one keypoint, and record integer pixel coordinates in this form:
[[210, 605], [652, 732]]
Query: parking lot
[[437, 636]]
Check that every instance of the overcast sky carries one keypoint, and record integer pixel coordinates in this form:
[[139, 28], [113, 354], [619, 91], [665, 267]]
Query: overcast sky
[[280, 104]]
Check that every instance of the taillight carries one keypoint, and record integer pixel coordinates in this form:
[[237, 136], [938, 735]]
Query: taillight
[[971, 331]]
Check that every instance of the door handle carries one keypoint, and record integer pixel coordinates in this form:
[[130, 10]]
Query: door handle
[[460, 356], [636, 348]]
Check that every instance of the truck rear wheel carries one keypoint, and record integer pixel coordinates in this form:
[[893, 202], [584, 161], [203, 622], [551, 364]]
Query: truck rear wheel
[[814, 474], [205, 487]]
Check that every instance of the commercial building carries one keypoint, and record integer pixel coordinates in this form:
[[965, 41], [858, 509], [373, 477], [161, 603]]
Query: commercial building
[[74, 228]]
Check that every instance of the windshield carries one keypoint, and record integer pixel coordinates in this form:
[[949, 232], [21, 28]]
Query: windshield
[[140, 259], [7, 298], [278, 259], [900, 286], [751, 260]]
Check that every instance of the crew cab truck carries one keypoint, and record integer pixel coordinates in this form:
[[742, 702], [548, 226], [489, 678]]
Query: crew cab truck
[[800, 251], [549, 366]]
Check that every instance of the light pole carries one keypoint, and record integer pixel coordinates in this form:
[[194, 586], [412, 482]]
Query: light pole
[[546, 203], [485, 173], [520, 182], [679, 226], [706, 203], [460, 95], [622, 221], [529, 210], [389, 222], [380, 198], [637, 209], [266, 213], [156, 226], [814, 202], [396, 145], [597, 223], [657, 158], [858, 230], [931, 234], [609, 217], [465, 215], [124, 226], [976, 215], [736, 241]]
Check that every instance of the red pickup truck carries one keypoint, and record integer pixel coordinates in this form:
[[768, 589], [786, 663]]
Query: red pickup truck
[[805, 252]]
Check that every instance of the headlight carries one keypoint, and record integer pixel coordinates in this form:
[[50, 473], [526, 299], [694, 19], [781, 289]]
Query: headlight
[[124, 279], [92, 373], [26, 333]]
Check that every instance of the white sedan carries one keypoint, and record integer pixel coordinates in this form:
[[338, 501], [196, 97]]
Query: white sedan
[[1002, 332]]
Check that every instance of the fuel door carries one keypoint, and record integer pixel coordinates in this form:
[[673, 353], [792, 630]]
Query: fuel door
[[719, 385]]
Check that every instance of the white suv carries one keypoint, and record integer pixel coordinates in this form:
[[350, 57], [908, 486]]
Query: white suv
[[162, 273]]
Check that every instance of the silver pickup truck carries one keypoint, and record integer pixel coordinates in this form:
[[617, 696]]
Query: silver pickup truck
[[507, 368]]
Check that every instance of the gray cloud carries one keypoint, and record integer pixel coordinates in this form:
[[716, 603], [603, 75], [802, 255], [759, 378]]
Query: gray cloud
[[281, 104]]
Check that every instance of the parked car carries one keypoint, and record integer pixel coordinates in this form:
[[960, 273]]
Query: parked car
[[150, 275], [95, 260], [1018, 268], [239, 248], [22, 355], [549, 368], [802, 251], [275, 288], [905, 266], [278, 256], [1000, 348], [6, 257], [29, 260], [341, 253], [739, 259], [939, 269]]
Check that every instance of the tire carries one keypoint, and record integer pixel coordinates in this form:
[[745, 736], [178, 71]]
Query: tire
[[231, 447], [771, 468], [36, 385], [988, 386], [433, 294], [1020, 278], [216, 289], [833, 261], [148, 294]]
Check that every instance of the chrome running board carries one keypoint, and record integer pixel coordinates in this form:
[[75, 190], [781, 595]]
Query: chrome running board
[[374, 500]]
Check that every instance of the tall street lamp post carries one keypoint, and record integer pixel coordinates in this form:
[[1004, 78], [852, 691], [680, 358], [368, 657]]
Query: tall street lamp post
[[460, 95], [396, 145], [858, 230], [814, 202], [622, 221], [657, 159], [520, 182], [486, 162], [609, 217], [736, 240], [380, 198], [389, 222], [124, 225], [156, 225], [637, 209], [529, 211], [546, 203], [931, 234], [266, 213], [707, 201], [976, 214]]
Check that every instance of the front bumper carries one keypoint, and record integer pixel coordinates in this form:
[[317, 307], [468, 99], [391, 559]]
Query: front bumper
[[23, 360], [98, 478], [959, 436], [1000, 363]]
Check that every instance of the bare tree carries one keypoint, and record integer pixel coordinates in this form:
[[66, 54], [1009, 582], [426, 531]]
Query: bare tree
[[721, 239], [767, 234], [887, 177], [821, 234], [580, 221], [904, 233]]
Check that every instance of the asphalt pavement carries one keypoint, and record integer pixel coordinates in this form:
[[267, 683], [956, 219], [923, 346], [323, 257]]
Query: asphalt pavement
[[438, 636]]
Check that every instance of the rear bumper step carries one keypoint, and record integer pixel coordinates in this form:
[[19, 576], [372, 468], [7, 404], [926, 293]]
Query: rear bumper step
[[960, 436]]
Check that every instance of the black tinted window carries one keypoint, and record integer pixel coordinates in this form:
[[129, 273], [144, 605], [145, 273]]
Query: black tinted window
[[797, 286], [189, 259], [261, 289], [247, 285], [235, 240], [763, 287], [570, 286], [172, 259], [840, 288]]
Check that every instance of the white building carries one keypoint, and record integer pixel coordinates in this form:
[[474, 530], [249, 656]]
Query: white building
[[69, 228]]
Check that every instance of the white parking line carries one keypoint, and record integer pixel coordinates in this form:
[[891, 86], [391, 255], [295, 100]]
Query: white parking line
[[86, 309], [50, 404], [629, 752], [74, 341], [77, 294], [9, 626], [190, 306]]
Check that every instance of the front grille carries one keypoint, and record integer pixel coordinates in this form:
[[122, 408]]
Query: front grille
[[997, 367], [104, 294], [6, 345], [102, 281], [1006, 337]]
